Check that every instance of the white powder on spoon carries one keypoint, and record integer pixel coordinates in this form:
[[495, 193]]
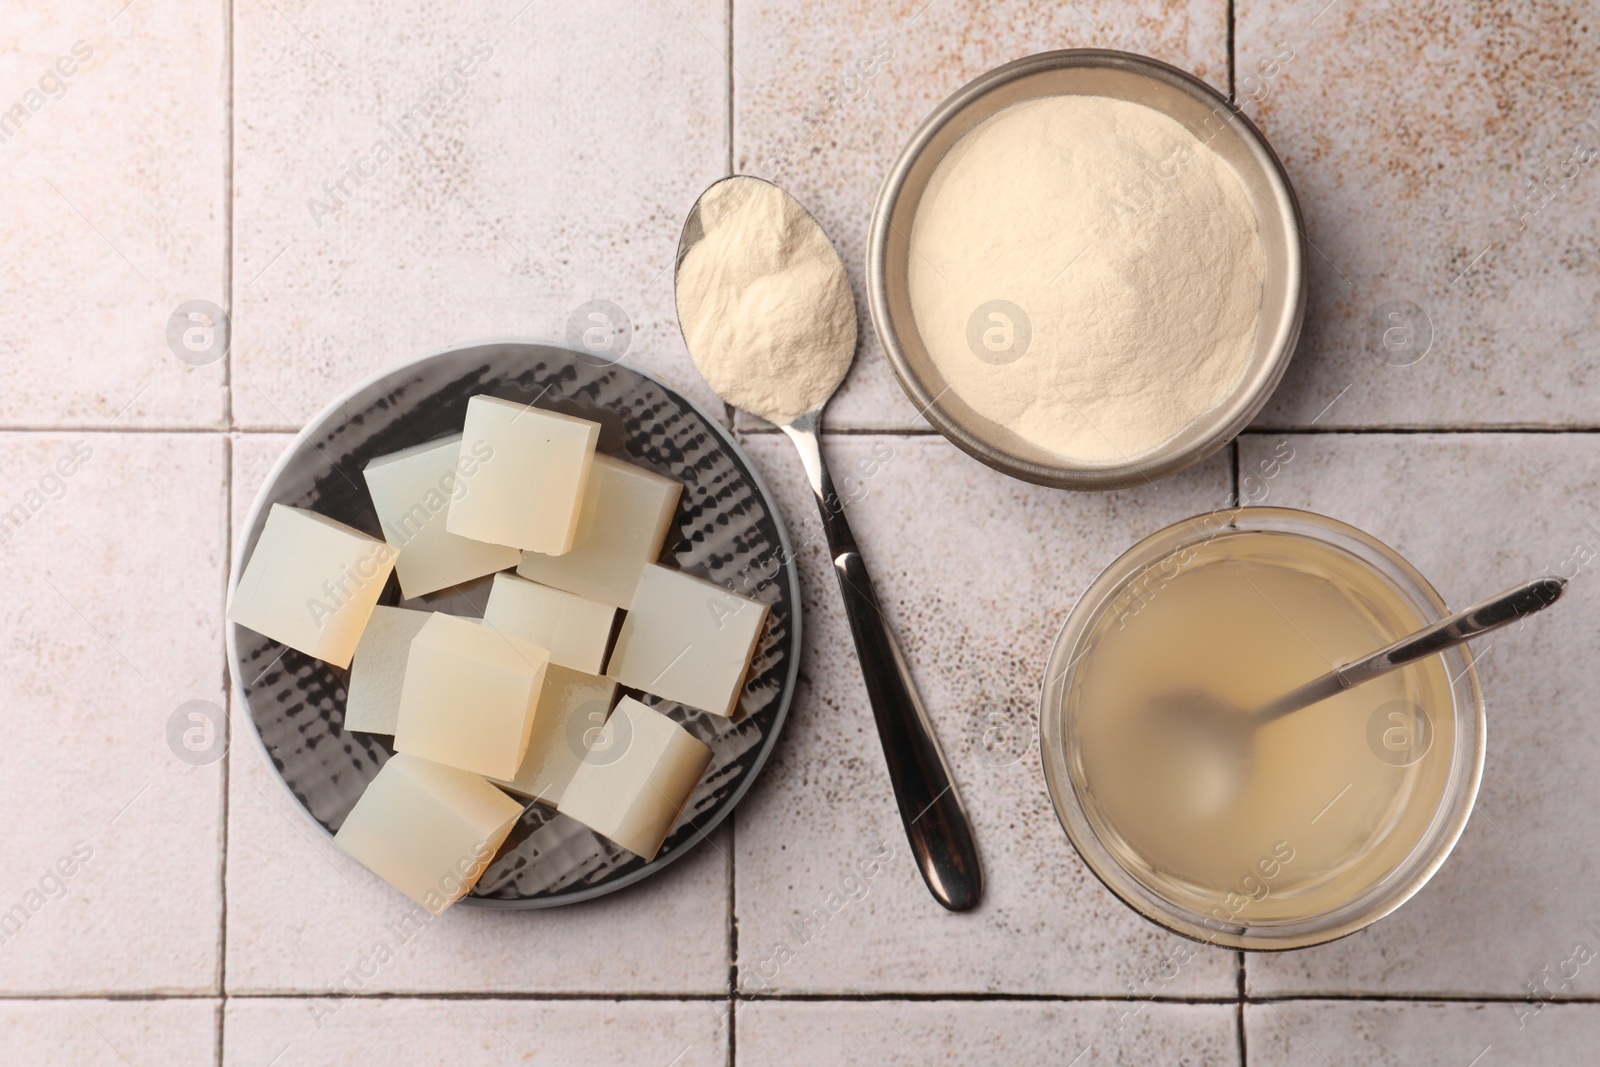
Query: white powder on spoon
[[764, 302], [1130, 249]]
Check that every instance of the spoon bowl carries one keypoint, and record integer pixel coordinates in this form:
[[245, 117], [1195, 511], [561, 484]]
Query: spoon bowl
[[1198, 749]]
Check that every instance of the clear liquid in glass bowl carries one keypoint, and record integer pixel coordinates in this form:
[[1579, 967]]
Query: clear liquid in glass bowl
[[1329, 817]]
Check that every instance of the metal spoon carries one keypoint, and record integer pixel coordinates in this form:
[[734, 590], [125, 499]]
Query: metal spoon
[[935, 820], [1209, 744]]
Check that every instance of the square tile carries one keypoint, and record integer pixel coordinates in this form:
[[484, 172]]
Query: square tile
[[419, 176], [113, 560], [934, 1034], [1314, 1034], [976, 572], [115, 185], [305, 918], [824, 99], [1477, 513], [1439, 294], [444, 1033], [109, 1033]]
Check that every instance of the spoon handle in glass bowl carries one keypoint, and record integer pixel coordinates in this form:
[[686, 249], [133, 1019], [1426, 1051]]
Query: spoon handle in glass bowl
[[1481, 618], [935, 820]]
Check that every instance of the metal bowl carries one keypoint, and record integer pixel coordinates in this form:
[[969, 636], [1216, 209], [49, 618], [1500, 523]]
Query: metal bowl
[[1123, 76]]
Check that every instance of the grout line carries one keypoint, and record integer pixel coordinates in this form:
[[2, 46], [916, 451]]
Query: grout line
[[721, 997], [1418, 998], [731, 418], [1244, 1054], [227, 754], [729, 11], [227, 525], [733, 929], [1253, 431], [1233, 465], [1500, 429], [131, 998], [114, 431], [227, 216], [1233, 96], [698, 998]]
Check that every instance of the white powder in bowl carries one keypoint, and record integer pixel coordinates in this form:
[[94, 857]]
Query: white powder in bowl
[[764, 302], [1087, 273]]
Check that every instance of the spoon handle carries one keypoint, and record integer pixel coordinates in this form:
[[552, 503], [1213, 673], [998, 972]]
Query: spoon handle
[[935, 820], [1479, 619]]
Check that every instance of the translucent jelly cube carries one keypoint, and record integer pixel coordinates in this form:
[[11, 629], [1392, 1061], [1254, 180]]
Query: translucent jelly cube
[[637, 776], [575, 629], [572, 708], [372, 703], [626, 514], [411, 491], [311, 583], [529, 489], [428, 830], [687, 639], [469, 696]]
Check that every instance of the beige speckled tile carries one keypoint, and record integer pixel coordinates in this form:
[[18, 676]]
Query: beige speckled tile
[[924, 1034], [555, 172], [101, 1033], [1411, 133], [826, 96], [1477, 513], [112, 556], [444, 1033], [302, 915], [1314, 1034], [977, 573], [114, 181]]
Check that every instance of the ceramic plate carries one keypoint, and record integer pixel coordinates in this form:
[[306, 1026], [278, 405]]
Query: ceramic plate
[[728, 530]]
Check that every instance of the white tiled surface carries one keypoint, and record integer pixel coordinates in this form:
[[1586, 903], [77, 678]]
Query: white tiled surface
[[115, 211], [1410, 135], [112, 620], [178, 164], [558, 174], [970, 1034], [1427, 1034], [443, 1033], [109, 1033]]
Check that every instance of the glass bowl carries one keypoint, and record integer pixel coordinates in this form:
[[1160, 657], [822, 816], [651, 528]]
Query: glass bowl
[[1142, 572]]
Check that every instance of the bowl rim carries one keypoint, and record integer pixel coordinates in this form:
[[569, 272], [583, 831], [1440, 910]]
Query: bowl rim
[[1234, 414], [326, 416], [1438, 840]]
